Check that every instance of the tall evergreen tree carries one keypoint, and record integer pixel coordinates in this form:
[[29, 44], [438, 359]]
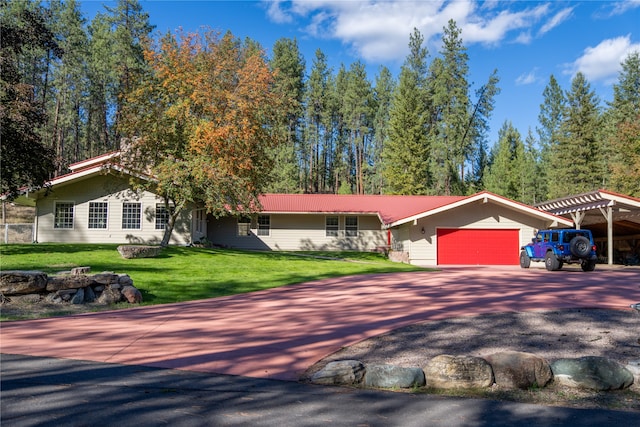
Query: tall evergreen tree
[[503, 174], [356, 110], [449, 146], [576, 161], [24, 159], [551, 116], [131, 27], [382, 94], [406, 154], [623, 129], [289, 66], [316, 108]]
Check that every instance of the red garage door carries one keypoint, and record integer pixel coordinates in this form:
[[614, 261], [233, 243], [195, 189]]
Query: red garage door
[[478, 247]]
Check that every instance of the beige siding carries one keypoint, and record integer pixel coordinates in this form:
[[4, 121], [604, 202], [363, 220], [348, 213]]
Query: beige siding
[[298, 232], [114, 191], [423, 247]]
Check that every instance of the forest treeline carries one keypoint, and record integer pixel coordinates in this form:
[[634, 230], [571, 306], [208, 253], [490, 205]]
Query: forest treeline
[[73, 89]]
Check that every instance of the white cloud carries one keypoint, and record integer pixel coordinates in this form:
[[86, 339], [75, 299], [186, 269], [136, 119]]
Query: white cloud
[[556, 20], [378, 30], [621, 7], [602, 62], [527, 78], [276, 13]]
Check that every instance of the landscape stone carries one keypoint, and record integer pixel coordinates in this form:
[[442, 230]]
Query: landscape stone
[[446, 371], [340, 372], [515, 369], [27, 298], [591, 372], [125, 280], [390, 376], [22, 282], [109, 296], [105, 278], [139, 251], [132, 294], [634, 367], [89, 295], [56, 283], [80, 270], [78, 297]]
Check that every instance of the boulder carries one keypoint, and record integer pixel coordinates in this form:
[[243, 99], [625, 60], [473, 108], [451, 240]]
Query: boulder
[[80, 270], [105, 278], [132, 294], [78, 297], [125, 280], [591, 372], [139, 251], [634, 367], [89, 295], [515, 369], [340, 372], [22, 282], [56, 283], [446, 371], [26, 299], [390, 376], [109, 296]]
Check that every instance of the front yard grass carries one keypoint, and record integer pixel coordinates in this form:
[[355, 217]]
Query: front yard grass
[[190, 273]]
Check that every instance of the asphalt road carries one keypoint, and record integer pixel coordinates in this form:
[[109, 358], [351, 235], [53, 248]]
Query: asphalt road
[[39, 391]]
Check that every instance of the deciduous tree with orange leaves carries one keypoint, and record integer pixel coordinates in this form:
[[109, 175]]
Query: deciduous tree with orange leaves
[[202, 122]]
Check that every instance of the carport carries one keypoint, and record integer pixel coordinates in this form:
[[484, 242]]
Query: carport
[[614, 219]]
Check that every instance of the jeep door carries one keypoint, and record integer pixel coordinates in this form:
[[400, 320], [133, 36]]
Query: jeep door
[[539, 248]]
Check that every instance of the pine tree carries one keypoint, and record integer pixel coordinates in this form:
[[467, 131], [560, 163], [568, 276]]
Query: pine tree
[[25, 160], [288, 66], [623, 129], [405, 155], [450, 89], [504, 172], [382, 94], [576, 165], [551, 116]]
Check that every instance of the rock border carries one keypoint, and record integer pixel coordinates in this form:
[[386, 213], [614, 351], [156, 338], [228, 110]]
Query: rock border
[[508, 369]]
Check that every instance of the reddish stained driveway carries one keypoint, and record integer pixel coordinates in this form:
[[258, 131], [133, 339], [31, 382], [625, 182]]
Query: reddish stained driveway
[[281, 332]]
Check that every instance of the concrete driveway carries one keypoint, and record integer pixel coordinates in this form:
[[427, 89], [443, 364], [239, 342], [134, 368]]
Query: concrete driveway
[[280, 332]]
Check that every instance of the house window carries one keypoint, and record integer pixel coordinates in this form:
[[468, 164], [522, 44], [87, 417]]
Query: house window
[[331, 226], [162, 216], [131, 216], [98, 215], [264, 225], [244, 226], [63, 215], [351, 226]]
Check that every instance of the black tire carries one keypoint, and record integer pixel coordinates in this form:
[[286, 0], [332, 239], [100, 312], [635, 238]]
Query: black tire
[[588, 265], [551, 262], [525, 261], [580, 247]]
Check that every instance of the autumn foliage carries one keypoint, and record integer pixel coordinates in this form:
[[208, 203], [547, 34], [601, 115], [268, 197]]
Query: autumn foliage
[[202, 120]]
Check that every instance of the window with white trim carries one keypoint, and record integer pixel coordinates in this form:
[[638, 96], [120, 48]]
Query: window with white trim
[[131, 214], [264, 225], [98, 212], [331, 226], [63, 215], [244, 226], [351, 226], [162, 216]]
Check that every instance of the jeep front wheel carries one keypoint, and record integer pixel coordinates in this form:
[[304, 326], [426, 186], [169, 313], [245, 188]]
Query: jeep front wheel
[[525, 261], [580, 247], [551, 262]]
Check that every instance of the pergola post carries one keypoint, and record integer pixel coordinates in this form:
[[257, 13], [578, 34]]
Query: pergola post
[[608, 214]]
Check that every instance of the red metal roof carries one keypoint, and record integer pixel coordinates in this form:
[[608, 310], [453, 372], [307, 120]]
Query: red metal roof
[[389, 208]]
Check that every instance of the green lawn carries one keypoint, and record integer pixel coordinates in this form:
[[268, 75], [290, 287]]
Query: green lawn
[[189, 273]]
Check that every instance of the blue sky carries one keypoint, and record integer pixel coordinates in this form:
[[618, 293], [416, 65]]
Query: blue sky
[[526, 41]]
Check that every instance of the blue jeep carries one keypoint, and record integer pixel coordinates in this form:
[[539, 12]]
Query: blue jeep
[[556, 247]]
